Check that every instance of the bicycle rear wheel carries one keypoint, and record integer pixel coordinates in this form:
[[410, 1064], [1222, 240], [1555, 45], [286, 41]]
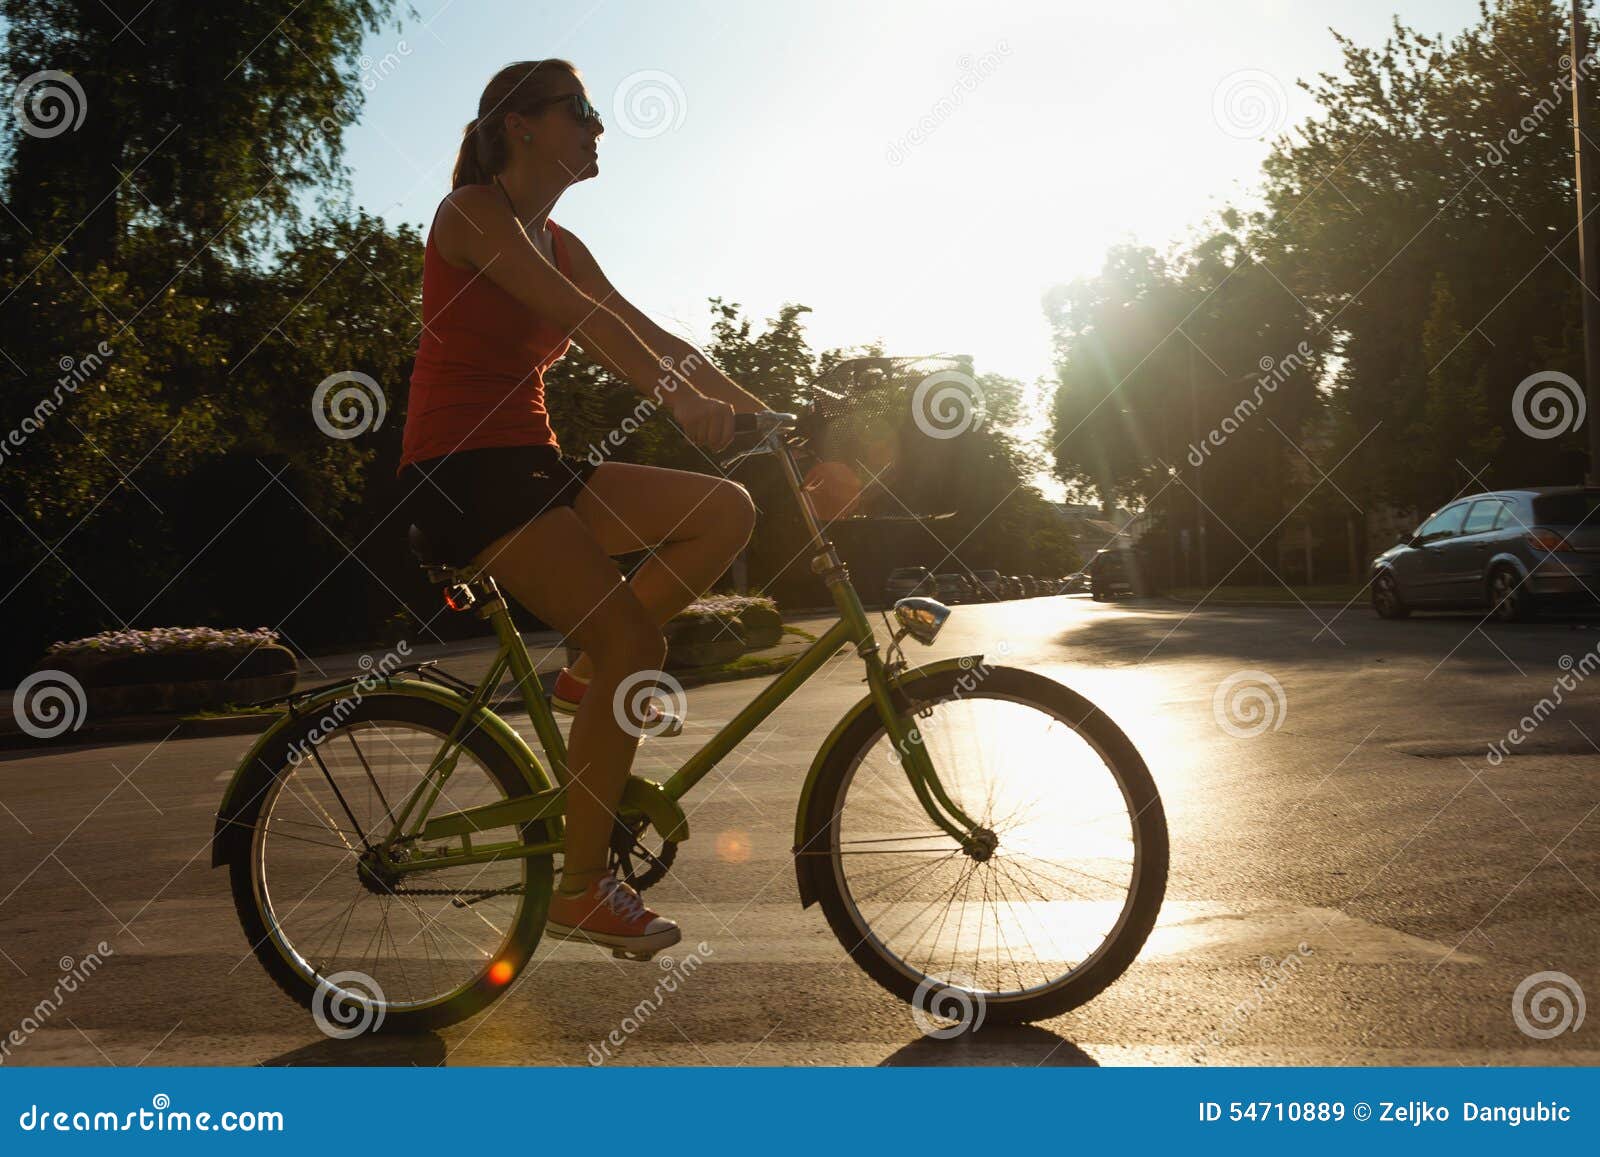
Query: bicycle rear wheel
[[1032, 920], [363, 951]]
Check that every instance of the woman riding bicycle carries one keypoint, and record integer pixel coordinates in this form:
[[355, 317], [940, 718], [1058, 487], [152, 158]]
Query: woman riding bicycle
[[505, 293]]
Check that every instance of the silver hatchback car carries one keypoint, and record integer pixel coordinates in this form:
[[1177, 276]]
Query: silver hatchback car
[[1511, 552]]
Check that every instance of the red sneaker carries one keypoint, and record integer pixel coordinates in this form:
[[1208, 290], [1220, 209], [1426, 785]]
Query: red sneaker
[[610, 914], [569, 690]]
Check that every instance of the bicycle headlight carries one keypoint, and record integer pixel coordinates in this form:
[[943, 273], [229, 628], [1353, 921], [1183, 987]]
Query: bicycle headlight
[[921, 618]]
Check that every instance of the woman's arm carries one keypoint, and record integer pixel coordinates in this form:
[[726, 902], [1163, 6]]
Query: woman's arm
[[689, 362], [484, 235]]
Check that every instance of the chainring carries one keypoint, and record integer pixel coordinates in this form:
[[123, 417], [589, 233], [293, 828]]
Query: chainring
[[634, 864]]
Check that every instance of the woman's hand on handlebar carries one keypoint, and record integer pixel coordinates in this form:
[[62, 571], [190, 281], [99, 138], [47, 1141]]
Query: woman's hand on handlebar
[[706, 421]]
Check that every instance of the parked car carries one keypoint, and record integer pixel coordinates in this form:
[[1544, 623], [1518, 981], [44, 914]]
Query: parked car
[[1013, 585], [1511, 552], [905, 581], [987, 584], [953, 589], [1036, 586], [1113, 571], [1074, 584]]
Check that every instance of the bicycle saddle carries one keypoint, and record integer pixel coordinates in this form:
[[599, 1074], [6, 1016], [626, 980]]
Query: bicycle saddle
[[429, 554]]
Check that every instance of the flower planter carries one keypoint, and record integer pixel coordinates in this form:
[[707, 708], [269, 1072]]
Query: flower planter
[[702, 637], [174, 669]]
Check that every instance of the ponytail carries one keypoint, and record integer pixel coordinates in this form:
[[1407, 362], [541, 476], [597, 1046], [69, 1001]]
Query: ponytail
[[469, 169]]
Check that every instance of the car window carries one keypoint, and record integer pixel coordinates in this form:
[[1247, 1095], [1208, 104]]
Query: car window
[[1442, 525], [1575, 508], [1484, 515]]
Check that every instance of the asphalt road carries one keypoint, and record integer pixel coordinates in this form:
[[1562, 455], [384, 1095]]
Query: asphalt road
[[1362, 820]]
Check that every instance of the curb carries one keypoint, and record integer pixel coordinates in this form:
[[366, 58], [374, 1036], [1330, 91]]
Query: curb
[[162, 727], [1256, 602], [138, 728]]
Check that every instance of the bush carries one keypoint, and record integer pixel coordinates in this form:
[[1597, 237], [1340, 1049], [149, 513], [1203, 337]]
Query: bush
[[175, 668], [701, 635], [759, 617]]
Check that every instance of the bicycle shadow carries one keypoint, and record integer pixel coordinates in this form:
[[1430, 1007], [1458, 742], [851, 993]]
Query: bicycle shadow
[[1021, 1044], [422, 1050]]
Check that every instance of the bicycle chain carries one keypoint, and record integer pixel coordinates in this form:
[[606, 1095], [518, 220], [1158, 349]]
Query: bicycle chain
[[456, 892]]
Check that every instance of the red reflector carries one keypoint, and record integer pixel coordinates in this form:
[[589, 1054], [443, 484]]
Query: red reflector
[[500, 971]]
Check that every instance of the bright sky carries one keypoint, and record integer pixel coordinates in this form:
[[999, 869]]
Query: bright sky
[[790, 165]]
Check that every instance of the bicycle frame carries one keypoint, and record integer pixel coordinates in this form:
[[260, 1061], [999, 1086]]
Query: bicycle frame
[[657, 802]]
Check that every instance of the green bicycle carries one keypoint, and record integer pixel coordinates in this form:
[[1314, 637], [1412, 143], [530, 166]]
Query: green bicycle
[[972, 832]]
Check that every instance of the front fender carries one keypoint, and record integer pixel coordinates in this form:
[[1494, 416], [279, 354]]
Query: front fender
[[862, 707], [271, 749]]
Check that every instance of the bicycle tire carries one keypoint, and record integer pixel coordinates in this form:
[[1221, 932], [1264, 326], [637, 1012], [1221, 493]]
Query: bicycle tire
[[527, 927], [1119, 754]]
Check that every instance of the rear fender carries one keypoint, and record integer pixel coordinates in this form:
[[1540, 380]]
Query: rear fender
[[1506, 558]]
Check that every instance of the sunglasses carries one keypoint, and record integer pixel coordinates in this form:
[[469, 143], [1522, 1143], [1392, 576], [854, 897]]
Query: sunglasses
[[577, 104]]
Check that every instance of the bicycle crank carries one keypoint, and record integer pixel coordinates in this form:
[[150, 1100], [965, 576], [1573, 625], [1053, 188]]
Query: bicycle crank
[[634, 864]]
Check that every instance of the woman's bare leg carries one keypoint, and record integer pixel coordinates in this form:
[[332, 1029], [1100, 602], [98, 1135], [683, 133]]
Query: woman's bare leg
[[556, 568], [696, 524]]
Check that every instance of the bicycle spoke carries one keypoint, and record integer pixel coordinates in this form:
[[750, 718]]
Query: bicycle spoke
[[387, 924], [1024, 912]]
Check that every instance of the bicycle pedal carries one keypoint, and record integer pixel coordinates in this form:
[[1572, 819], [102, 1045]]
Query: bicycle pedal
[[624, 954]]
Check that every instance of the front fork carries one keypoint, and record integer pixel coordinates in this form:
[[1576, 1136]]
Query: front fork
[[899, 721]]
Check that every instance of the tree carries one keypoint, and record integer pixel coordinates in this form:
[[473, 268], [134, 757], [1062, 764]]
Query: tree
[[1425, 217]]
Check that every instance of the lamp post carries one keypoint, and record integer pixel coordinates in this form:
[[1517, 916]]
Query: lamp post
[[1583, 150]]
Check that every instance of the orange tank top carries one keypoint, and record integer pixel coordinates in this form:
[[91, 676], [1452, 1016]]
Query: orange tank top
[[478, 379]]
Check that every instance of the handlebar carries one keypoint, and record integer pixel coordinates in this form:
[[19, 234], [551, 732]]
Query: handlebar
[[752, 434], [762, 422]]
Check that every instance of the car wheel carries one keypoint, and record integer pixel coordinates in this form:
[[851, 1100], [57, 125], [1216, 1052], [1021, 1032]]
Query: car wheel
[[1509, 602], [1386, 598]]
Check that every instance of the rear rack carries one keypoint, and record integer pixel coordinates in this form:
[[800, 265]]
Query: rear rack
[[428, 669]]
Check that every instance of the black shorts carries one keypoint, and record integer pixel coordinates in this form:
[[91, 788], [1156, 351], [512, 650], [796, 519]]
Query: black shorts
[[466, 500]]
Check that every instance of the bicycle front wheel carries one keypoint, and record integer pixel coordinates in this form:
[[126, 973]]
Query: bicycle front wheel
[[1053, 899], [366, 950]]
